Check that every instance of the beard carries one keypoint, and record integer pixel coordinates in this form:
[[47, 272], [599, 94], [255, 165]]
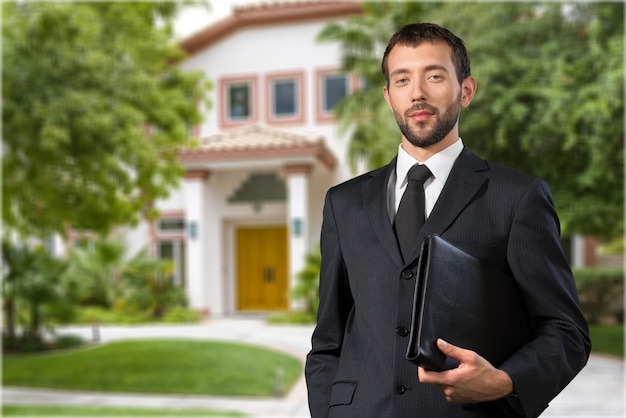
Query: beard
[[423, 137]]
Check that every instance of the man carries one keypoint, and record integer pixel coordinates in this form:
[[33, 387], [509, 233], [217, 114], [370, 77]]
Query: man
[[357, 365]]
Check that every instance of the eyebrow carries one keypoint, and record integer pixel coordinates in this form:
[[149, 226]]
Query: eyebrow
[[436, 67], [431, 67]]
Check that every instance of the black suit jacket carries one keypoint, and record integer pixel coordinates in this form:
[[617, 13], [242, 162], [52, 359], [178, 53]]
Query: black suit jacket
[[357, 365]]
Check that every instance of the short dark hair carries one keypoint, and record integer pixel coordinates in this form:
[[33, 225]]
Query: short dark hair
[[415, 34]]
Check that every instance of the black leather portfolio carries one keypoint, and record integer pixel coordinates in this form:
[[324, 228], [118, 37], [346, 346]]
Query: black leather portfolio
[[466, 302]]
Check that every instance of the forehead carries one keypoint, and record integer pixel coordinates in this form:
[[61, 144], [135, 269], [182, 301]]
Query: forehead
[[426, 54]]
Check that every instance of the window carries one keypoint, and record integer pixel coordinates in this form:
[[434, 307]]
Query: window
[[285, 98], [169, 225], [174, 251], [170, 237], [335, 89], [238, 100], [239, 97], [332, 87]]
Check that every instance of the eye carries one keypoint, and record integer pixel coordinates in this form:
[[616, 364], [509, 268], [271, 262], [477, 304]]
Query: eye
[[435, 77], [401, 81]]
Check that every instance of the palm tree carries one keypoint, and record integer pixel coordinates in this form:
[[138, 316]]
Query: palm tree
[[31, 277]]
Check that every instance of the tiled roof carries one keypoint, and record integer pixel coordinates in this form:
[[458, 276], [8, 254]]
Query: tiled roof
[[257, 142], [269, 14]]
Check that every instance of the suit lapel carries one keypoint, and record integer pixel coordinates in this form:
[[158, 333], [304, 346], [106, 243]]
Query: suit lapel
[[375, 204], [462, 184]]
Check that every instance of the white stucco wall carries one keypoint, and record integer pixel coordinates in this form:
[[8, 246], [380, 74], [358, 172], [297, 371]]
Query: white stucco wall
[[259, 52]]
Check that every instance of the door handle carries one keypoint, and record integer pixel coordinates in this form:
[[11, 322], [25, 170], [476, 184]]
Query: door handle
[[268, 274]]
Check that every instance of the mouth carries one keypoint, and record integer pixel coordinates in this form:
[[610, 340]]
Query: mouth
[[420, 115], [421, 112]]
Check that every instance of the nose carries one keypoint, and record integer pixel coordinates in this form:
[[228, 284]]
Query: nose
[[418, 93]]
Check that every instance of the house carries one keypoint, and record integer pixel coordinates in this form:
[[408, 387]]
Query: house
[[249, 208]]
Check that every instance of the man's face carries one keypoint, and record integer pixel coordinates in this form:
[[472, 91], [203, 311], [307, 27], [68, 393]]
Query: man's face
[[424, 93]]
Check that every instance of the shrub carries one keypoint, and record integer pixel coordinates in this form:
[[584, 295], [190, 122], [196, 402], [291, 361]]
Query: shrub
[[306, 289], [601, 292], [181, 315], [294, 317], [68, 341]]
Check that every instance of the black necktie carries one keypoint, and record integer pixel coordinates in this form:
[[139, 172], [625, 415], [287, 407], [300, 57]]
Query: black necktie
[[411, 212]]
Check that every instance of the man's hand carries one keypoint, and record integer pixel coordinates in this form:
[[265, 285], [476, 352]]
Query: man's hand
[[475, 380]]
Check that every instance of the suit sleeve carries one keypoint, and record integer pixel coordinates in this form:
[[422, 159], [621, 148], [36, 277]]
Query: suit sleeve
[[560, 346], [335, 305]]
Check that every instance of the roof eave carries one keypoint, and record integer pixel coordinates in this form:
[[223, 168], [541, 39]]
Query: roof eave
[[315, 151], [245, 17]]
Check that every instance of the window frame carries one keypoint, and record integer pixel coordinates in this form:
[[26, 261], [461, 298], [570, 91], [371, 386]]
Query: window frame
[[225, 84], [322, 114], [178, 240], [299, 99]]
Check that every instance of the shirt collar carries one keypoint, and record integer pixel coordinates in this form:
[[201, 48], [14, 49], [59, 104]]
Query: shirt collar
[[439, 164]]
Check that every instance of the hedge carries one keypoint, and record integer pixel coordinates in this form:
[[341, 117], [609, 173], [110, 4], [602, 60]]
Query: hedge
[[601, 292]]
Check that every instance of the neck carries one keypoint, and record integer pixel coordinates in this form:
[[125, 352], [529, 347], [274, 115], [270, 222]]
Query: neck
[[422, 154]]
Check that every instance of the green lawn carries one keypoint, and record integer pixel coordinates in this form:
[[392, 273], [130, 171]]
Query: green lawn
[[157, 366], [80, 411], [607, 339]]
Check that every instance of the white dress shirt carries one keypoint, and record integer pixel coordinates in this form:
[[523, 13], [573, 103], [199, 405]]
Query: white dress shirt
[[439, 165]]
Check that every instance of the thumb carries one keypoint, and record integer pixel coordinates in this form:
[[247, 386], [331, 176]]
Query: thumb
[[450, 350]]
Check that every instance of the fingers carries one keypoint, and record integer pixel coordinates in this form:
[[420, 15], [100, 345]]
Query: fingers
[[457, 353]]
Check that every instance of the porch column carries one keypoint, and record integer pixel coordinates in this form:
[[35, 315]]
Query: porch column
[[298, 218], [196, 240]]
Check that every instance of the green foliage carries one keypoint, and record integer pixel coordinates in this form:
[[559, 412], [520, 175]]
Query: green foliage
[[148, 287], [100, 275], [614, 247], [93, 112], [550, 97], [95, 271], [97, 315], [296, 317], [601, 292], [607, 339], [157, 366], [107, 411], [31, 283], [68, 341], [305, 293], [179, 315], [306, 289]]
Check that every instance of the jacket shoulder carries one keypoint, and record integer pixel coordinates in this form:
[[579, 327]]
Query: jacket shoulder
[[356, 182]]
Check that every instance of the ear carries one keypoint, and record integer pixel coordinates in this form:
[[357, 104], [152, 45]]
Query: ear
[[386, 94], [468, 90]]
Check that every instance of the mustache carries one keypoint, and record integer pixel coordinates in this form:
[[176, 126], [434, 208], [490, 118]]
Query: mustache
[[421, 107]]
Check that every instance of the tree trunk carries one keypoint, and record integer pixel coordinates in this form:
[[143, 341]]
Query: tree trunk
[[9, 314]]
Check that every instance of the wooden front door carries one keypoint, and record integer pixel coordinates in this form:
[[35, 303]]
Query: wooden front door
[[262, 282]]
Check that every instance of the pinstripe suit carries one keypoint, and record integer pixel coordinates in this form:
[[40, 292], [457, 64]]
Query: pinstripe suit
[[356, 367]]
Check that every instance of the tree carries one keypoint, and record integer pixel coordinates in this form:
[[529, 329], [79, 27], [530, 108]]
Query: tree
[[16, 263], [148, 287], [31, 280], [95, 272], [549, 101], [94, 110]]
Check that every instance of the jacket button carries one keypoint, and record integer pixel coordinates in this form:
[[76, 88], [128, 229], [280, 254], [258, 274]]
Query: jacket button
[[407, 274], [402, 331], [400, 389]]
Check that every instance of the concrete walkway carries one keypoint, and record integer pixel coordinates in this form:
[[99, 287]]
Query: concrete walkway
[[597, 392]]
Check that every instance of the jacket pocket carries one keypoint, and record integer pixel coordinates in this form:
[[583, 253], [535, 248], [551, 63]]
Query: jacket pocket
[[342, 393]]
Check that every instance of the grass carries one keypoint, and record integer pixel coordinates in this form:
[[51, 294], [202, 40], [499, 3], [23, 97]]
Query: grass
[[607, 339], [85, 411], [157, 366]]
